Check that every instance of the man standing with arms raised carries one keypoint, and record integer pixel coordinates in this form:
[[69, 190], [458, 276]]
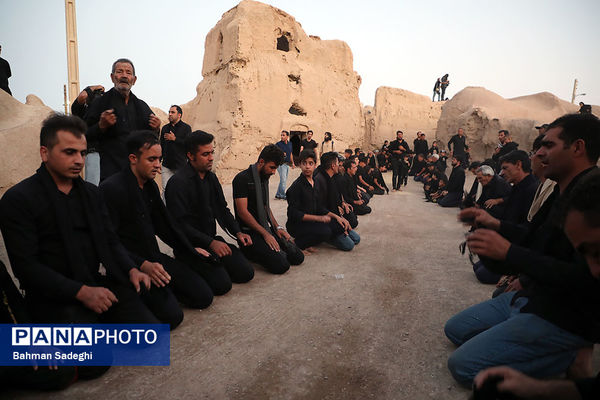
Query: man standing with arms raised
[[113, 116], [172, 142]]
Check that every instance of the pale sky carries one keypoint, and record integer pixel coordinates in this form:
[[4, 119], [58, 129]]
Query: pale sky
[[511, 47]]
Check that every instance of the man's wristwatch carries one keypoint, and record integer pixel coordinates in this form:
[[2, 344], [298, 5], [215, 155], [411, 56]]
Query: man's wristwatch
[[279, 227]]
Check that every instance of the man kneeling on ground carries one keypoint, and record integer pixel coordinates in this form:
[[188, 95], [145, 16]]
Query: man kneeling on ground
[[272, 247]]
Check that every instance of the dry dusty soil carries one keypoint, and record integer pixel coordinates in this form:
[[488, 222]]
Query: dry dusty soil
[[357, 325]]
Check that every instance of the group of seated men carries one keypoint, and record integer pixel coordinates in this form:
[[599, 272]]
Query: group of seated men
[[536, 232]]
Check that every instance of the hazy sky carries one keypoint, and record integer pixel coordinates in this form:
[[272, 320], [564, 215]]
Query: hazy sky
[[512, 47]]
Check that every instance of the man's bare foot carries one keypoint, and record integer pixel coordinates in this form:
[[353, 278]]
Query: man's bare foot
[[582, 365], [312, 249]]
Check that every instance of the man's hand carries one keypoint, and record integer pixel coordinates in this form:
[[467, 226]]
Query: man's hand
[[444, 192], [344, 223], [169, 136], [282, 233], [325, 218], [202, 252], [491, 203], [154, 122], [476, 216], [107, 119], [271, 242], [347, 207], [514, 286], [359, 202], [488, 243], [244, 239], [136, 277], [97, 299], [157, 273], [221, 249], [371, 188]]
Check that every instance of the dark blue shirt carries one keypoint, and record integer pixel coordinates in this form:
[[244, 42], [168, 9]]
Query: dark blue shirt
[[287, 150]]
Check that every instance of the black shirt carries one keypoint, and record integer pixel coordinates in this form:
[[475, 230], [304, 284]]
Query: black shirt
[[421, 146], [456, 182], [518, 202], [5, 73], [173, 151], [197, 204], [504, 150], [302, 199], [244, 187], [395, 145], [459, 143], [308, 144]]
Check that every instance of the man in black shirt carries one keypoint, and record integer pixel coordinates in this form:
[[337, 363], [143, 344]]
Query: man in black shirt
[[58, 234], [113, 116], [195, 199], [349, 191], [540, 329], [505, 146], [458, 143], [397, 148], [420, 144], [452, 194], [309, 143], [139, 215], [172, 142], [272, 246], [5, 73], [493, 187]]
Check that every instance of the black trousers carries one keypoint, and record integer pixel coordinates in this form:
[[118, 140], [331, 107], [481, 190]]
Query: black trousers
[[396, 165], [351, 218], [188, 286], [154, 306], [276, 262], [361, 209], [310, 233], [220, 274], [378, 191]]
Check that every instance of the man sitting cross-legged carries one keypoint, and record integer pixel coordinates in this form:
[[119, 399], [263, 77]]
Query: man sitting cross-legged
[[330, 198], [195, 199], [139, 215], [309, 222], [58, 234], [272, 247], [540, 329]]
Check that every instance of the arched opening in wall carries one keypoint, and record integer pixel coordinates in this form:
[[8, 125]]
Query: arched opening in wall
[[283, 43], [297, 134]]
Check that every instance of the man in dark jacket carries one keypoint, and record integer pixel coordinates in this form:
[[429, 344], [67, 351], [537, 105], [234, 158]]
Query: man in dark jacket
[[172, 142], [113, 116], [420, 144], [195, 199], [139, 215], [505, 146], [538, 330], [349, 190], [452, 195], [493, 188], [397, 149], [57, 234], [458, 144]]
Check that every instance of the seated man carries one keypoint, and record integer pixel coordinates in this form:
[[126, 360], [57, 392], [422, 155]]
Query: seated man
[[364, 180], [493, 188], [329, 197], [540, 329], [472, 196], [582, 227], [195, 199], [418, 166], [272, 247], [309, 222], [57, 233], [452, 194], [348, 189], [139, 215], [377, 179]]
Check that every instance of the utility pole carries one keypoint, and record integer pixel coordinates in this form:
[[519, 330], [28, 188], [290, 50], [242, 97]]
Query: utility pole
[[72, 54], [574, 91], [65, 103]]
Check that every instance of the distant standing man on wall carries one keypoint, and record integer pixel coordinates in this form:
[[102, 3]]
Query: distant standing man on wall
[[286, 146], [444, 84], [172, 142], [112, 117], [4, 74]]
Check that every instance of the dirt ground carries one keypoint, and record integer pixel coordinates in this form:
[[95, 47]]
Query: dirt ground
[[363, 324]]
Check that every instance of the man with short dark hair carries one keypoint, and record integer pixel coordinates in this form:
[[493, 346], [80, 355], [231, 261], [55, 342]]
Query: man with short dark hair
[[540, 329], [195, 199], [505, 146], [288, 160], [309, 143], [420, 144], [453, 192], [397, 148], [172, 142], [58, 234], [139, 215], [350, 192], [113, 116], [272, 247], [458, 144], [516, 170]]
